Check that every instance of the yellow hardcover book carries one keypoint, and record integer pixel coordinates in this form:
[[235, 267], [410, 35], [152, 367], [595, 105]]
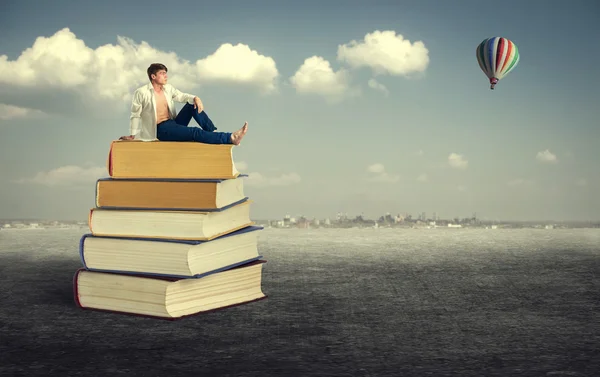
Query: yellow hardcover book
[[165, 159], [169, 194]]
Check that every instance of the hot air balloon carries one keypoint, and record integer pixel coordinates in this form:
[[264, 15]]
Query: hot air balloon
[[497, 56]]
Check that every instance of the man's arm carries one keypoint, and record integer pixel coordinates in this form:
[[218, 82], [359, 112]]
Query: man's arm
[[179, 96], [136, 114]]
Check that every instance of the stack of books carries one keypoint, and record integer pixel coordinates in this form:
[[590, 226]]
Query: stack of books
[[171, 234]]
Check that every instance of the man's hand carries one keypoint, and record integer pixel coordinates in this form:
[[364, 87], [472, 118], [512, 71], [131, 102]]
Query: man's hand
[[128, 137], [198, 105]]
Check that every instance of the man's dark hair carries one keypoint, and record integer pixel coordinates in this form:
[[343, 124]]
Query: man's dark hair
[[155, 67]]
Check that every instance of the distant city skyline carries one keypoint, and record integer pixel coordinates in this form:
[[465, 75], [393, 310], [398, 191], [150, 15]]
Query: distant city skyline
[[382, 107], [334, 217]]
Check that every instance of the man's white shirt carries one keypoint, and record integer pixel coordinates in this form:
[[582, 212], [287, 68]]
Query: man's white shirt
[[143, 109]]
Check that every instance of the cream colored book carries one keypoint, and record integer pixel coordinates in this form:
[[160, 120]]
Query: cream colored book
[[179, 225], [167, 257], [168, 298]]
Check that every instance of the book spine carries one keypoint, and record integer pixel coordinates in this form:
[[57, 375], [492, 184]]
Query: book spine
[[109, 164], [81, 256], [76, 289], [96, 193], [90, 219]]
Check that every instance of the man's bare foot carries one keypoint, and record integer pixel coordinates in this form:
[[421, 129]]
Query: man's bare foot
[[236, 137]]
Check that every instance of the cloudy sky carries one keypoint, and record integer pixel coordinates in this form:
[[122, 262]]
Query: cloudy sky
[[352, 107]]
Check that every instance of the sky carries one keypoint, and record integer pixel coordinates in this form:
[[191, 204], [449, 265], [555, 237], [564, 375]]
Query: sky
[[357, 108]]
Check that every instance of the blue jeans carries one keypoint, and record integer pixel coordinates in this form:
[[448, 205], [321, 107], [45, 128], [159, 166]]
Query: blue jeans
[[178, 130]]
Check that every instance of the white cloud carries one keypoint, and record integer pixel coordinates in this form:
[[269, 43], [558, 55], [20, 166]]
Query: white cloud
[[376, 168], [112, 72], [385, 53], [239, 64], [380, 175], [374, 84], [385, 177], [315, 76], [70, 175], [461, 188], [8, 112], [546, 156], [457, 161], [257, 179], [423, 178], [581, 182], [382, 51]]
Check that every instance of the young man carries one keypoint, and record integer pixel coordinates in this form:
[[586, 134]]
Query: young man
[[153, 114]]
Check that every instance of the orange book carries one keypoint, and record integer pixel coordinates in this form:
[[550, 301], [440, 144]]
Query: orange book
[[169, 194], [165, 159]]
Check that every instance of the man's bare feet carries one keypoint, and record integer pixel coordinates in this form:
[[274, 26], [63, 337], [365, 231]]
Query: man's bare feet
[[236, 137]]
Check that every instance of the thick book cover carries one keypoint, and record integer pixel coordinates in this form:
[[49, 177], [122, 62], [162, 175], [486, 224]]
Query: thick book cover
[[251, 228], [166, 159], [171, 221], [167, 180], [166, 278]]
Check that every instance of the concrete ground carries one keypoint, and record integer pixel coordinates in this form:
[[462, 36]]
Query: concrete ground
[[332, 310]]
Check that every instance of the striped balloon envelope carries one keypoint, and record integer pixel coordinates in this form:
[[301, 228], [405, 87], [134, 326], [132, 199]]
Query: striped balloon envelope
[[497, 56]]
